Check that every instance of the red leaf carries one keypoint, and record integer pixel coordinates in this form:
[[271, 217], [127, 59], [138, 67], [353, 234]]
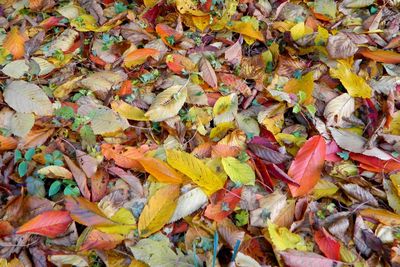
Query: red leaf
[[224, 206], [327, 244], [49, 223], [306, 167], [178, 63], [374, 164]]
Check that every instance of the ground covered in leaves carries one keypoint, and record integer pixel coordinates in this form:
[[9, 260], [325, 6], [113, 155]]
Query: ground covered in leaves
[[199, 133]]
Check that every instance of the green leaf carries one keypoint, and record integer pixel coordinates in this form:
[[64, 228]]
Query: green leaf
[[35, 187], [87, 135], [54, 188], [239, 172], [49, 159], [29, 154], [65, 112], [242, 218], [22, 168], [17, 155], [71, 190]]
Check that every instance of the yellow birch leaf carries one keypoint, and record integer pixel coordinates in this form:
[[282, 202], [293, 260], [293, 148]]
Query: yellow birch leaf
[[158, 210], [355, 85], [128, 111], [196, 170], [300, 30]]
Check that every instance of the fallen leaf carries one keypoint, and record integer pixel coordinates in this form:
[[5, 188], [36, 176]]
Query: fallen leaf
[[49, 223], [158, 210], [196, 170], [306, 167]]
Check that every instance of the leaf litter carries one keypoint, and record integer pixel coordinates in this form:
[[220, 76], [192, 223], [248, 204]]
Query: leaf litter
[[199, 133]]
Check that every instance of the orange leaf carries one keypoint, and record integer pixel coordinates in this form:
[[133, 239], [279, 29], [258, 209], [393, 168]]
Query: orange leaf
[[165, 31], [161, 170], [139, 56], [126, 88], [99, 240], [99, 182], [327, 244], [7, 143], [225, 205], [124, 156], [381, 55], [178, 63], [307, 166], [49, 223], [85, 212], [15, 43]]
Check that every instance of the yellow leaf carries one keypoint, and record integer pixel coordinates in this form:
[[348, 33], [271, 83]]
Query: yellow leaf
[[87, 23], [273, 117], [225, 108], [167, 103], [305, 84], [150, 3], [322, 36], [196, 170], [158, 210], [395, 178], [383, 216], [239, 172], [202, 22], [247, 29], [394, 126], [230, 9], [161, 171], [300, 30], [189, 6], [128, 111], [355, 85], [126, 223], [221, 129], [283, 239], [55, 172], [291, 142], [324, 189]]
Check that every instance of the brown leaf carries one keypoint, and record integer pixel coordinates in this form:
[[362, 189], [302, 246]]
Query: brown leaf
[[79, 177], [208, 73]]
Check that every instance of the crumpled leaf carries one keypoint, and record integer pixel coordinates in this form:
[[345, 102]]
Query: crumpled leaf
[[55, 172]]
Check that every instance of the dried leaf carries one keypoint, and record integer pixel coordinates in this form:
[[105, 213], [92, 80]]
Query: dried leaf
[[158, 211]]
